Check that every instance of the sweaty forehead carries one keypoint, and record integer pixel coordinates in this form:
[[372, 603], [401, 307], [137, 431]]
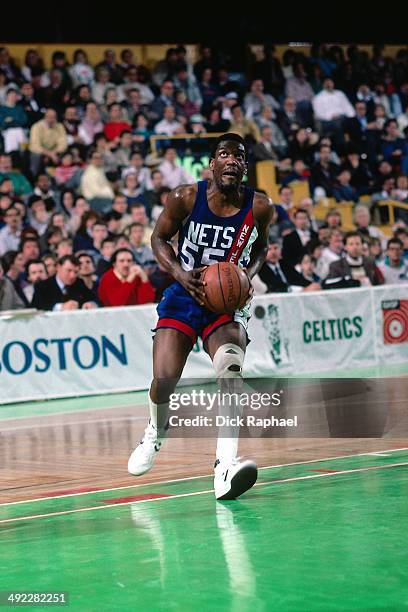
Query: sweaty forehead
[[230, 145]]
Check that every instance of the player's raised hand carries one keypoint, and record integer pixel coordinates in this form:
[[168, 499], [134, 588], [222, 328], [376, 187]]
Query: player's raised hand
[[192, 281]]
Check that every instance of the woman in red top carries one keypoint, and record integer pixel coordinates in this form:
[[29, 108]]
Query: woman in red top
[[126, 284], [116, 124]]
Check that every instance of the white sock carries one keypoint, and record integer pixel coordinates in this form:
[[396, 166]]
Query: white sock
[[227, 448], [159, 416]]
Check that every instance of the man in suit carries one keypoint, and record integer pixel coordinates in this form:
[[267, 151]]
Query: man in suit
[[295, 243], [64, 291], [279, 276], [353, 270]]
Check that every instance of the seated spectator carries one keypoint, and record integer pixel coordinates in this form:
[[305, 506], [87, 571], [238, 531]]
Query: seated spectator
[[183, 107], [109, 163], [271, 147], [295, 244], [80, 207], [133, 82], [247, 128], [38, 216], [30, 104], [9, 299], [109, 62], [142, 253], [361, 216], [14, 269], [332, 252], [13, 120], [302, 146], [138, 215], [126, 284], [151, 193], [113, 220], [165, 99], [124, 150], [323, 172], [136, 166], [48, 140], [32, 60], [71, 123], [279, 276], [107, 250], [44, 191], [91, 124], [402, 234], [297, 87], [255, 100], [101, 85], [173, 174], [159, 207], [288, 118], [394, 268], [120, 206], [353, 266], [141, 133], [64, 247], [64, 291], [343, 191], [30, 248], [186, 82], [81, 72], [306, 268], [50, 262], [361, 176], [10, 233], [83, 240], [66, 169], [35, 272], [283, 224], [116, 123], [95, 186], [216, 123], [87, 273], [299, 173], [169, 125], [21, 185], [99, 232], [394, 148], [331, 107], [131, 189]]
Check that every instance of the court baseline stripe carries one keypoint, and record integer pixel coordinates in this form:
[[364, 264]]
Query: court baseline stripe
[[179, 495], [162, 482]]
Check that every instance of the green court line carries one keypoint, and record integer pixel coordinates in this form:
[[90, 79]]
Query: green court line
[[193, 486]]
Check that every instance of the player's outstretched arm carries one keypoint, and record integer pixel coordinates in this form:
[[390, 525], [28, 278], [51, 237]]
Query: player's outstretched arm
[[178, 207], [264, 214]]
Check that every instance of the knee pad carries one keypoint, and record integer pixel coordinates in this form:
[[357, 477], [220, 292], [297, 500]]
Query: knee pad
[[228, 361]]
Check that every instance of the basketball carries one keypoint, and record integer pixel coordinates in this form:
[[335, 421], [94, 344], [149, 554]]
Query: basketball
[[226, 289]]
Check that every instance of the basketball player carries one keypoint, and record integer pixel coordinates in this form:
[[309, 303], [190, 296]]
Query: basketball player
[[218, 220]]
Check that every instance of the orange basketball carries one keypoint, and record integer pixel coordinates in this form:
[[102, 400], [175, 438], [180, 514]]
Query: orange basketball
[[226, 288]]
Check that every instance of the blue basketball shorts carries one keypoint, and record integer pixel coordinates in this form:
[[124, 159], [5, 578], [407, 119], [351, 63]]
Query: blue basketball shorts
[[179, 310]]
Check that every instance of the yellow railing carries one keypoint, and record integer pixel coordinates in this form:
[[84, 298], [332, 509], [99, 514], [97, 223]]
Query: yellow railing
[[392, 205]]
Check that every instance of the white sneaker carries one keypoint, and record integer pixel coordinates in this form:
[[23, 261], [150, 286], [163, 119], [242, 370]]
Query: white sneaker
[[233, 478], [142, 458]]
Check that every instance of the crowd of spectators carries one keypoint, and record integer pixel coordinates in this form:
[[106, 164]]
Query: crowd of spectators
[[81, 188]]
